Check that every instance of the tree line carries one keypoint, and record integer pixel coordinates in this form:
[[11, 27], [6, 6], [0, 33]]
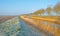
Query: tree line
[[49, 9]]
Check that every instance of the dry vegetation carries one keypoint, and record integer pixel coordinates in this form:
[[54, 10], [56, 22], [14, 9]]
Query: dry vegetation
[[4, 18]]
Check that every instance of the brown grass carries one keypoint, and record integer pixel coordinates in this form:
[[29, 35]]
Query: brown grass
[[4, 18]]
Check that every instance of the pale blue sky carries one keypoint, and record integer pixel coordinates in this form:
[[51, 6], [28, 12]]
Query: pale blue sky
[[17, 7]]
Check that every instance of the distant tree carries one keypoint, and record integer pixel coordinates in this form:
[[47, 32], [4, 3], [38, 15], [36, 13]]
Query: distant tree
[[39, 12], [42, 12], [57, 8], [48, 10], [35, 13]]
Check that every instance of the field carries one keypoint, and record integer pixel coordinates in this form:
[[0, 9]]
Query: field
[[55, 19], [4, 18]]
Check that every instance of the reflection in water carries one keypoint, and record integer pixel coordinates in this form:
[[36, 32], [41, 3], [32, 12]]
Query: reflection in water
[[51, 27]]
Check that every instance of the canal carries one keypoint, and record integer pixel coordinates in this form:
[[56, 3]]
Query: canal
[[27, 30]]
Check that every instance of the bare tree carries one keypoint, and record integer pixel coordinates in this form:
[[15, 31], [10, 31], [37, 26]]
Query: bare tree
[[57, 8], [48, 10], [42, 11]]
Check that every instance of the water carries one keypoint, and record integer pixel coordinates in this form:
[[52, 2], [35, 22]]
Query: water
[[27, 31]]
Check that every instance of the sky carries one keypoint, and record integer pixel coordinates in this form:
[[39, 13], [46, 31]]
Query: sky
[[18, 7]]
